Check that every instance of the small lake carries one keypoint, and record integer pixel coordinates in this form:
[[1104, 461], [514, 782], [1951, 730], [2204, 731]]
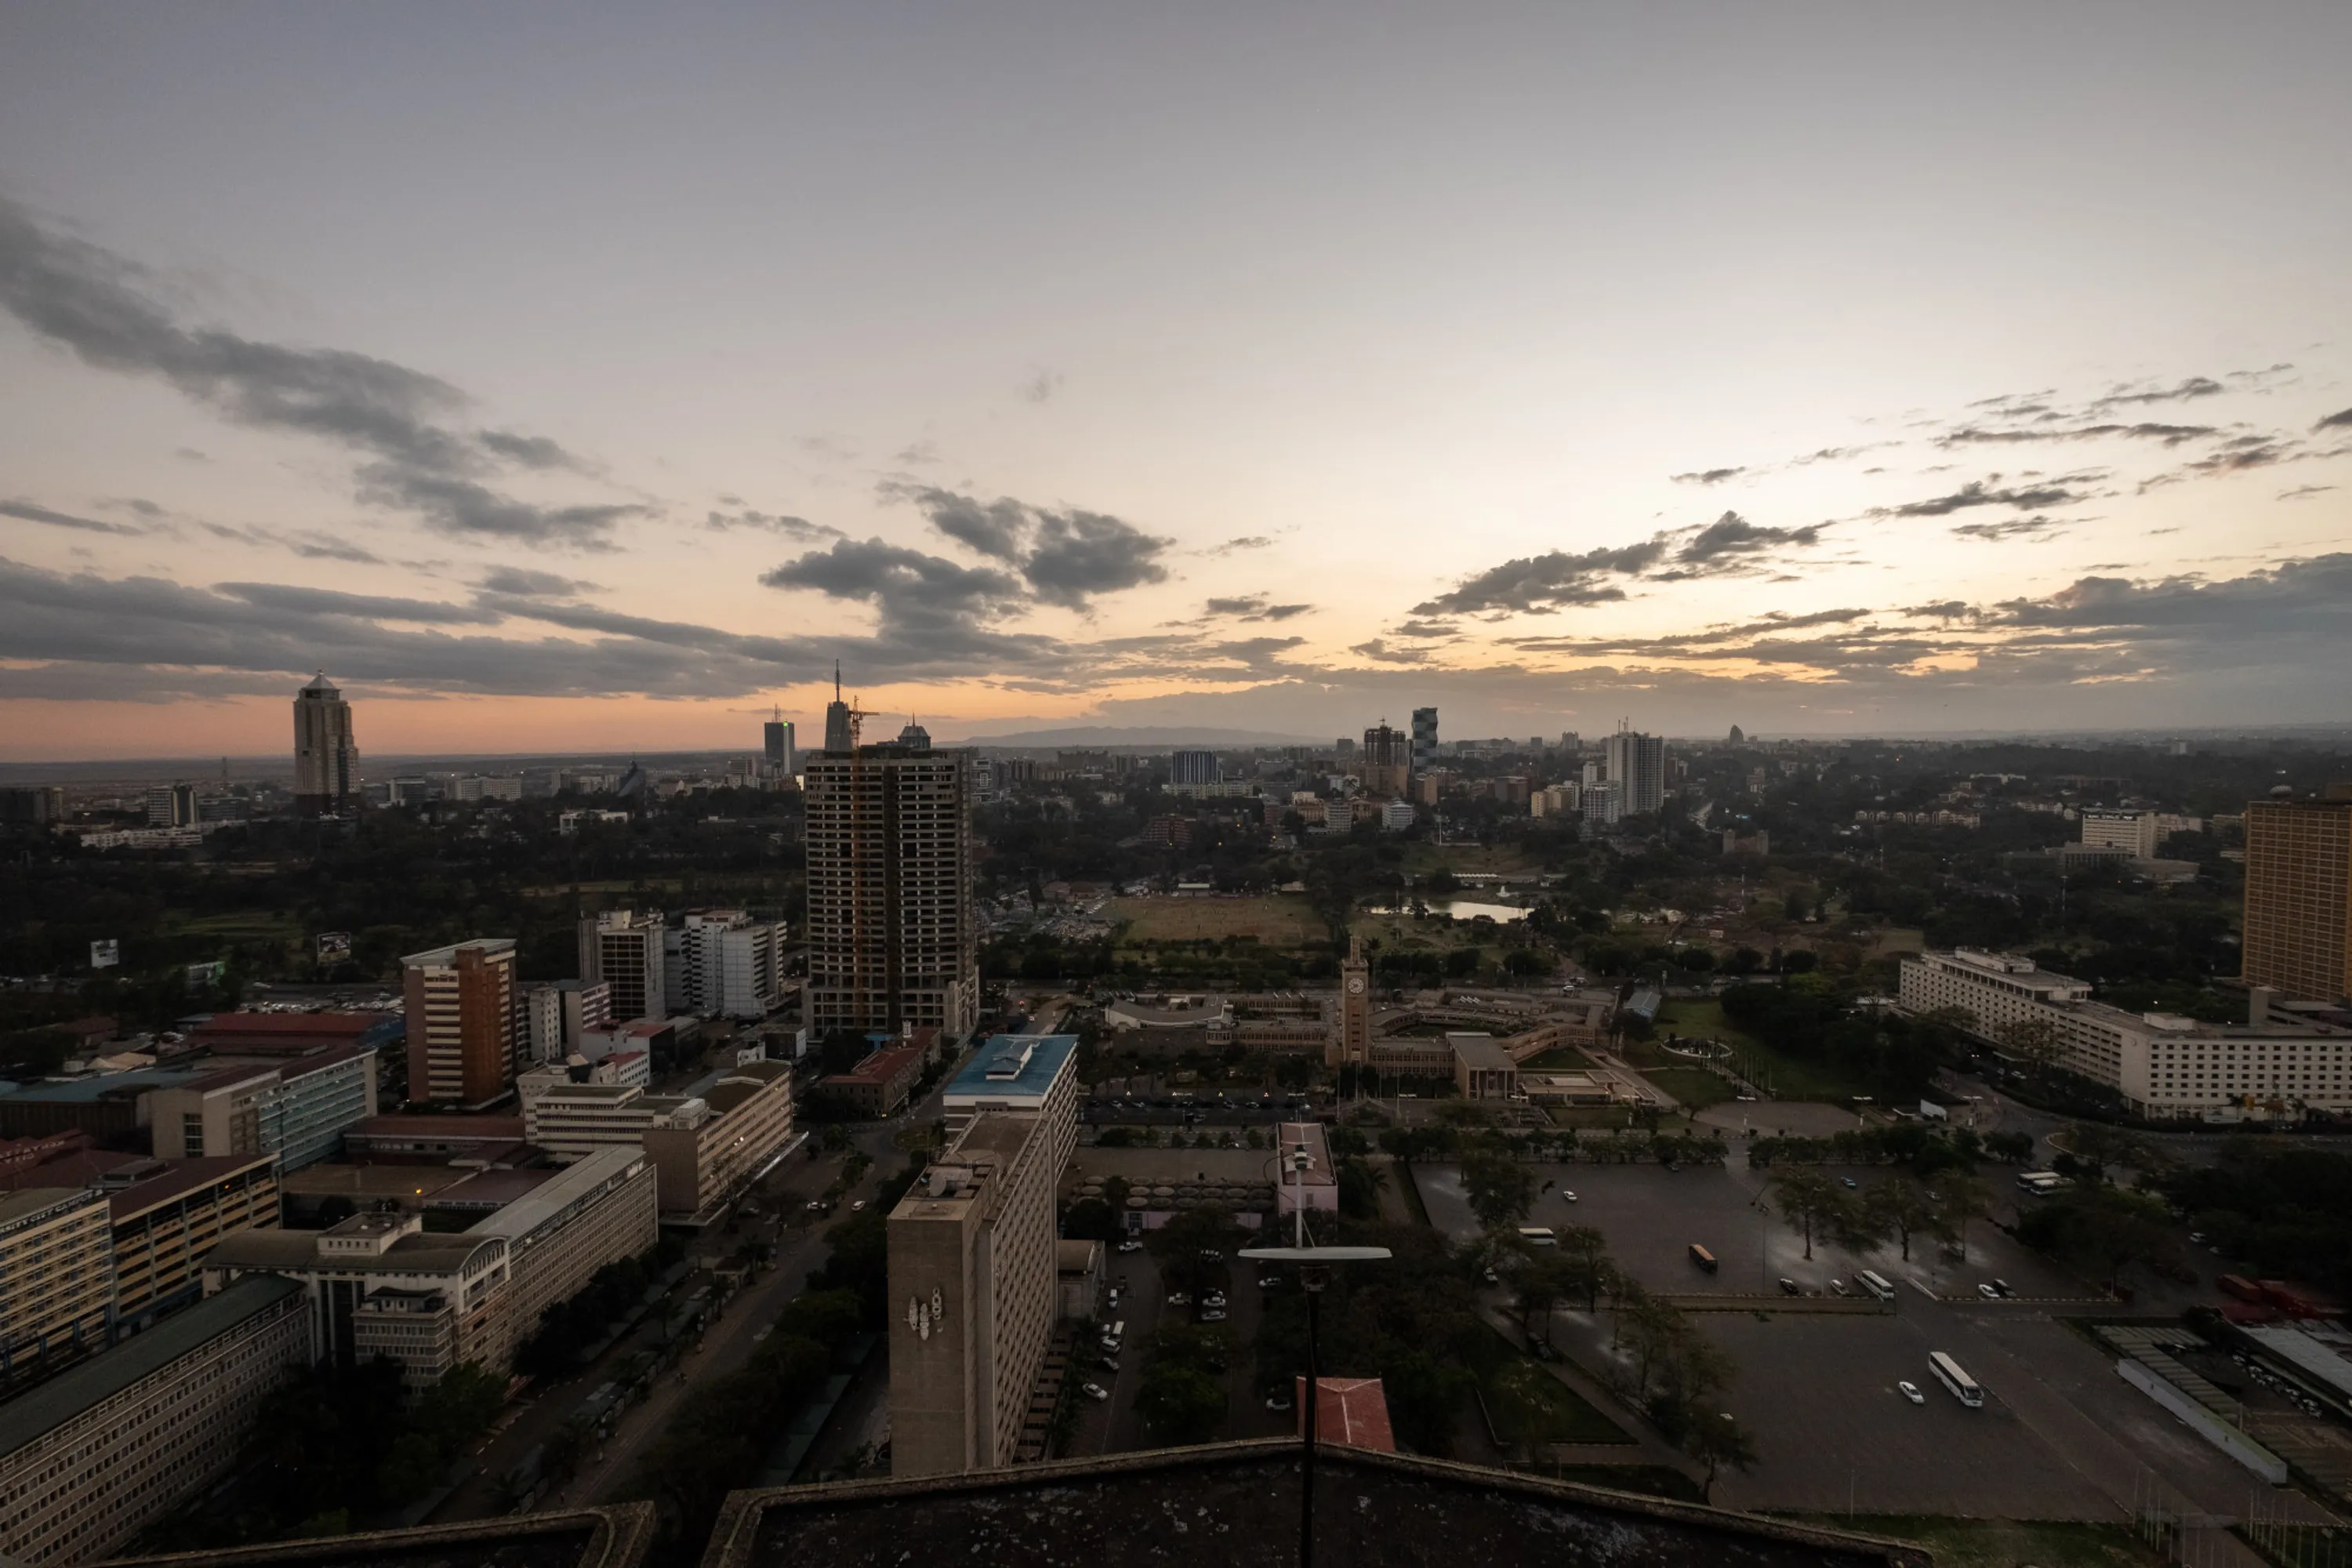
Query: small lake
[[1465, 908]]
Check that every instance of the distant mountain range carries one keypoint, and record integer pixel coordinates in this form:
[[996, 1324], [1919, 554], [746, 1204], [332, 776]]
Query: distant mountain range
[[1101, 737]]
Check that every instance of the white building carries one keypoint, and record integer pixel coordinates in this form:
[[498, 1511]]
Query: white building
[[623, 949], [2162, 1065], [1636, 764], [1396, 816], [557, 1013], [2132, 832], [723, 963]]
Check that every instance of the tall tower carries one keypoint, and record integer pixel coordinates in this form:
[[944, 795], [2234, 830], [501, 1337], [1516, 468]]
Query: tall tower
[[1388, 760], [892, 934], [782, 761], [326, 760], [838, 736], [1353, 1044], [2298, 916], [1425, 739], [461, 1022], [1636, 764]]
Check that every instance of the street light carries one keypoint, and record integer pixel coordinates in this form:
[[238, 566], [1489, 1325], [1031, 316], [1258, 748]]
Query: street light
[[1314, 1273]]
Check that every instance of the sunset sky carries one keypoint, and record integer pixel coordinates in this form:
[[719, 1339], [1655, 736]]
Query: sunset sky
[[563, 377]]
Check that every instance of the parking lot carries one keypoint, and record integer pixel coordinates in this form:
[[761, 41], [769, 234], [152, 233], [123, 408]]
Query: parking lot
[[1115, 1426]]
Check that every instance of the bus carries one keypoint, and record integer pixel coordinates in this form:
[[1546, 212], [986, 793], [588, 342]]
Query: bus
[[1703, 1257], [1877, 1284], [2040, 1183], [1965, 1389], [1537, 1235]]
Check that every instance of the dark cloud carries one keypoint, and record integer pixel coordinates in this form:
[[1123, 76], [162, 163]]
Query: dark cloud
[[1555, 580], [190, 455], [311, 546], [1981, 492], [1067, 558], [2340, 419], [779, 523], [2304, 492], [1708, 476], [2194, 386], [1379, 650], [1242, 542], [2169, 435], [1941, 610], [527, 451], [1427, 629], [25, 511], [399, 421], [523, 582], [2034, 527], [1255, 608], [300, 600], [1732, 535]]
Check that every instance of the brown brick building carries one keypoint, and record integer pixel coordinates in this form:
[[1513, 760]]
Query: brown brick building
[[2298, 916]]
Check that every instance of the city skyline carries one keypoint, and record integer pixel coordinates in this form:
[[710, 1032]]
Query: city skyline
[[1544, 370]]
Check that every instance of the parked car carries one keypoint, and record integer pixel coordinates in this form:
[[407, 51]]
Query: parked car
[[1911, 1392], [1851, 1183], [1988, 1293], [1130, 1244], [1789, 1288], [858, 1205], [1212, 1314], [1180, 1298], [1096, 1390], [1278, 1401], [2004, 1288], [1566, 1196]]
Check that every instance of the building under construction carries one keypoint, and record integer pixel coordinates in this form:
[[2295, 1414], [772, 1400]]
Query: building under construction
[[891, 940]]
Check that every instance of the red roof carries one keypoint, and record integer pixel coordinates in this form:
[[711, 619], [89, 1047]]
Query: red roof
[[1350, 1410], [881, 1066]]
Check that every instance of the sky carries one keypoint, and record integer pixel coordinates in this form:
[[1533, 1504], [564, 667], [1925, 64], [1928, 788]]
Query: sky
[[575, 377]]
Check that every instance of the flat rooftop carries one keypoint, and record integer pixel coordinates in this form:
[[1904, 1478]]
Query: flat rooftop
[[614, 1536], [1012, 1067]]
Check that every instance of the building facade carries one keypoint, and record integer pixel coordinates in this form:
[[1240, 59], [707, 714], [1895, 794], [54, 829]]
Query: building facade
[[2132, 832], [2297, 930], [706, 1145], [1352, 1043], [461, 1022], [623, 949], [1386, 766], [1424, 740], [326, 780], [163, 1225], [724, 964], [95, 1455], [892, 939], [2161, 1065], [297, 1108], [57, 1273], [973, 1295], [1636, 764], [777, 749]]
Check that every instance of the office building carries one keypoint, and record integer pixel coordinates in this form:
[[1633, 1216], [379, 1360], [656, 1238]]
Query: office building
[[326, 760], [296, 1107], [461, 1022], [625, 949], [170, 1213], [892, 939], [1483, 1069], [1396, 815], [1424, 740], [2132, 832], [973, 1274], [1636, 764], [557, 1013], [2161, 1065], [39, 804], [840, 727], [724, 964], [57, 1273], [777, 750], [1604, 803], [2297, 928], [878, 1087], [1193, 767], [1014, 1072], [1387, 761], [707, 1144], [93, 1456], [381, 1284], [171, 805]]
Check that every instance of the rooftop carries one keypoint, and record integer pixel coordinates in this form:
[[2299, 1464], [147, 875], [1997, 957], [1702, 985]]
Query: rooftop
[[1483, 1052], [102, 1376], [1353, 1411], [614, 1536], [880, 1067], [1236, 1504], [1012, 1067], [180, 1178]]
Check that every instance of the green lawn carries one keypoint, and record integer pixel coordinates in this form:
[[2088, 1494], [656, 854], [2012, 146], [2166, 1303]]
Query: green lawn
[[1695, 1087], [1788, 1078], [2001, 1544], [1528, 1404]]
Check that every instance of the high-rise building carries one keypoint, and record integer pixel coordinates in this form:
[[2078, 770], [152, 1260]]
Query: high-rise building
[[461, 1022], [2298, 915], [171, 804], [34, 803], [1425, 739], [326, 760], [972, 1266], [724, 963], [781, 759], [1193, 768], [1388, 760], [1636, 764], [840, 734], [892, 936], [556, 1013], [623, 949]]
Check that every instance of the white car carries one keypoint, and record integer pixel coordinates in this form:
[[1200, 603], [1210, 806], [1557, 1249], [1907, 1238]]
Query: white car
[[1988, 1293], [1095, 1391], [1911, 1392], [1566, 1196]]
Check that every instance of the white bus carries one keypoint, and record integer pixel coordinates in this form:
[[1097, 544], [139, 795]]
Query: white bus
[[1537, 1235], [2040, 1183], [1875, 1284], [1965, 1389]]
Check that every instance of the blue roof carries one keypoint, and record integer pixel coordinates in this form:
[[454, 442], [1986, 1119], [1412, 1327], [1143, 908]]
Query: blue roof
[[1014, 1065]]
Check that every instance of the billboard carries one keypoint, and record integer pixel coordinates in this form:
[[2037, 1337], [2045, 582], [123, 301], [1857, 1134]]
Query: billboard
[[203, 977], [334, 946], [105, 954]]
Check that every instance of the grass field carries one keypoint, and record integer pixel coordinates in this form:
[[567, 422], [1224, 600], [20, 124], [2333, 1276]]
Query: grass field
[[1695, 1087], [1788, 1078], [2001, 1544], [1526, 1403], [1279, 920]]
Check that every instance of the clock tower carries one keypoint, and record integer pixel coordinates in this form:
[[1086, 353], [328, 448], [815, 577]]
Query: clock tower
[[1354, 1041]]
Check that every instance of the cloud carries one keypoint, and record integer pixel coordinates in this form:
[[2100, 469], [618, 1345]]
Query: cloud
[[916, 454], [1041, 387], [25, 511], [2304, 492], [2034, 527], [1242, 542], [1732, 535], [779, 523], [300, 600], [1255, 608], [2169, 435], [1067, 557], [400, 423], [1558, 580], [1979, 492], [523, 582], [1707, 475], [1379, 650], [2340, 419], [190, 455], [1427, 629], [313, 544], [2194, 386]]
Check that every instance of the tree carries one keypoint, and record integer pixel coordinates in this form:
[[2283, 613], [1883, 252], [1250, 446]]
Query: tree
[[1537, 1286], [1181, 1403], [1957, 1198], [1720, 1444], [1500, 1189], [1901, 1204], [1810, 1199], [1584, 1262]]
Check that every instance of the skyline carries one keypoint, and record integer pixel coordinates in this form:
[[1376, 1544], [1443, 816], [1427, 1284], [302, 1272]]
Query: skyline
[[1060, 369]]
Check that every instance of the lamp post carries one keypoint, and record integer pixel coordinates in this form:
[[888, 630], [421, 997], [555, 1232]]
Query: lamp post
[[1314, 1274]]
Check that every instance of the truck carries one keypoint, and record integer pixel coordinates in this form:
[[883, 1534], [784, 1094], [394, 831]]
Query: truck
[[1702, 1257]]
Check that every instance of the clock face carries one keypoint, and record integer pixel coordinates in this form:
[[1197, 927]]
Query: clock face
[[1355, 985]]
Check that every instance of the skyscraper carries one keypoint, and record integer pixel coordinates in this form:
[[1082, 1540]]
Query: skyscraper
[[1193, 768], [623, 947], [2298, 915], [782, 760], [1636, 764], [892, 936], [838, 736], [461, 1021], [1388, 760], [1425, 739], [326, 760]]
